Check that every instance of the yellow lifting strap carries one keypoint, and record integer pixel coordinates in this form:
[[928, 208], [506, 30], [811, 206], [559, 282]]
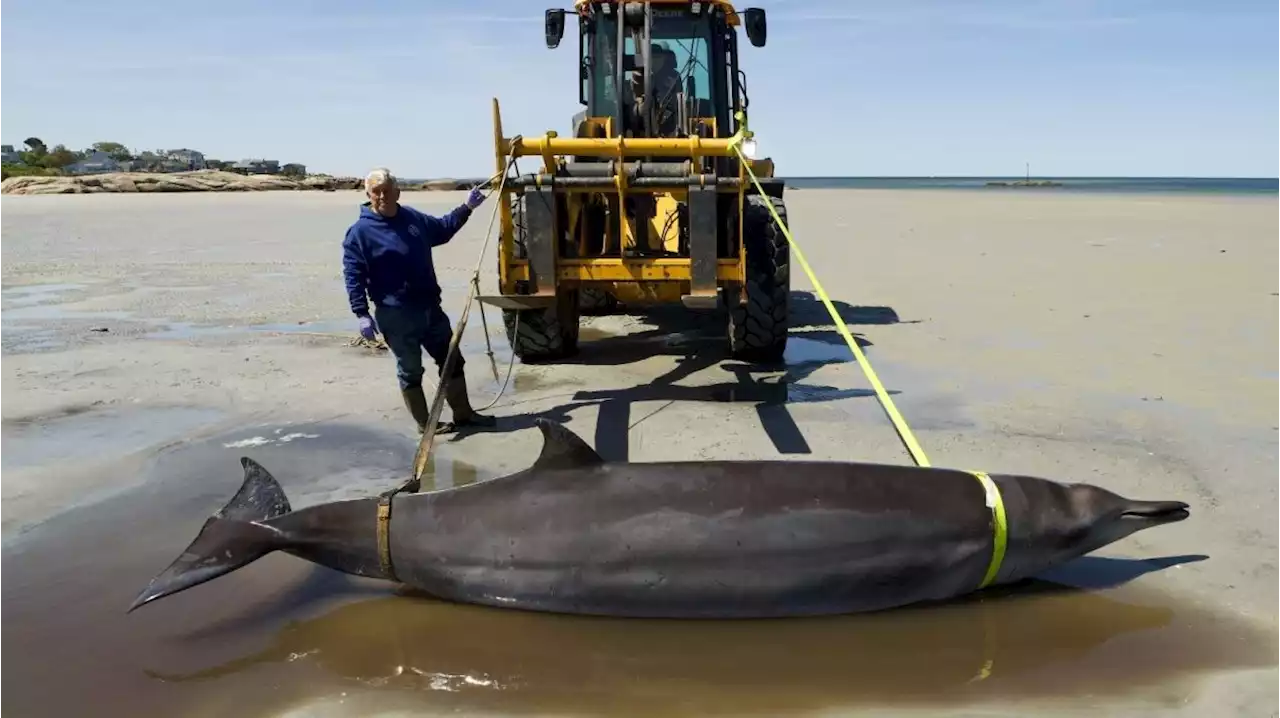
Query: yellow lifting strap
[[993, 499], [1000, 527], [904, 431]]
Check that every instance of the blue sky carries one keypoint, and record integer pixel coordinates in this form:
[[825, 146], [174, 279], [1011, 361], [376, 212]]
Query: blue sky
[[844, 87]]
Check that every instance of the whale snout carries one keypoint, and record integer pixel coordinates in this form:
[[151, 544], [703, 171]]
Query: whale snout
[[1156, 512]]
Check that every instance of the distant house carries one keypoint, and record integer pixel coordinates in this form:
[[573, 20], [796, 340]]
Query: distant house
[[257, 167], [9, 156], [147, 161], [187, 159], [95, 163]]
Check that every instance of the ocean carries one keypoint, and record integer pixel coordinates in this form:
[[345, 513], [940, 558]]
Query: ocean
[[1143, 185], [1103, 185]]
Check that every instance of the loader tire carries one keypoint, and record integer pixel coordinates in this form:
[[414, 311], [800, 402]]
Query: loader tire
[[541, 334], [544, 334], [758, 328], [596, 301]]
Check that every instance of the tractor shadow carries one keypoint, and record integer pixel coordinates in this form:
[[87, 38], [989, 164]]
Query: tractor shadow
[[697, 341]]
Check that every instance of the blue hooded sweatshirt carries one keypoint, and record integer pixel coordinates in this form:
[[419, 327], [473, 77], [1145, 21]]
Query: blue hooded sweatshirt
[[389, 258]]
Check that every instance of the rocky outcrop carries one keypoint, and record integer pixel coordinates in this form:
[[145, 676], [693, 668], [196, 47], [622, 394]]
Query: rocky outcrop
[[1025, 183], [445, 185], [197, 181]]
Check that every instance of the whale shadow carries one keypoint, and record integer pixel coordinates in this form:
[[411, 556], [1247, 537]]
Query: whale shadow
[[1095, 573], [1084, 574]]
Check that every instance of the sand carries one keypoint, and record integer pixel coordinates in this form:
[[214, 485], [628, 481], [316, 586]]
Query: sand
[[1124, 340]]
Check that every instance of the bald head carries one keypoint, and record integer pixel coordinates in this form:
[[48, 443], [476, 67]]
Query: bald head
[[383, 191]]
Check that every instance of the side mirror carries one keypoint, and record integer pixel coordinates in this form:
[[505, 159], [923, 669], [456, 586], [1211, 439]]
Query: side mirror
[[757, 28], [554, 27]]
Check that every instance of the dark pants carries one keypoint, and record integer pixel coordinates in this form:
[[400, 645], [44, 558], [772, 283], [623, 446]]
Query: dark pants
[[408, 331]]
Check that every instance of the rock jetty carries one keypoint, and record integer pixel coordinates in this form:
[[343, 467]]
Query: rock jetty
[[198, 181]]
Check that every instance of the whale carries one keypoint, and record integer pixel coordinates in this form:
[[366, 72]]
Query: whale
[[576, 534]]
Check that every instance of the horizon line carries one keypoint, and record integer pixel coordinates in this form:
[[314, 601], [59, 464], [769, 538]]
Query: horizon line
[[950, 177]]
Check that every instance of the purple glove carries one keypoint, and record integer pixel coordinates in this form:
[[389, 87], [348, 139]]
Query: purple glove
[[475, 198], [368, 329]]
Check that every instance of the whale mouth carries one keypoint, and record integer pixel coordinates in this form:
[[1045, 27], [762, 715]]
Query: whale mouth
[[1163, 512]]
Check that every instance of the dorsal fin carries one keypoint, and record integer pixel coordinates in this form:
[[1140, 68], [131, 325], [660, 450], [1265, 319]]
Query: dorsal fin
[[563, 449], [260, 496]]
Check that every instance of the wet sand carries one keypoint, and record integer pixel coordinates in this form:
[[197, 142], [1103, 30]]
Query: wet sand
[[1127, 341]]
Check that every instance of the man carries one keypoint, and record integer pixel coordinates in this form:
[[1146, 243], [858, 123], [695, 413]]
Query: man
[[666, 93], [386, 255]]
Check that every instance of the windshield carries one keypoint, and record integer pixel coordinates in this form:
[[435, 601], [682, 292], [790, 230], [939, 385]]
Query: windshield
[[681, 46]]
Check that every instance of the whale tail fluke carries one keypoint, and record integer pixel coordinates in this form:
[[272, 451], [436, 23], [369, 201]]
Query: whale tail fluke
[[230, 539]]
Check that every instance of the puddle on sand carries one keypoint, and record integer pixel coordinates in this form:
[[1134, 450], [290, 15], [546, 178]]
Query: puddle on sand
[[447, 473], [325, 326], [37, 293], [282, 634], [28, 339], [524, 378], [802, 350], [80, 435], [55, 312], [189, 330], [430, 658]]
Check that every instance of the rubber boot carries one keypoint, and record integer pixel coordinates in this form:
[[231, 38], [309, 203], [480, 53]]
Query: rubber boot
[[460, 403], [416, 402]]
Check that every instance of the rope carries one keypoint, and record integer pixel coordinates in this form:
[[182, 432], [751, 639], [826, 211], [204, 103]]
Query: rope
[[510, 365], [993, 499], [512, 162], [904, 431], [414, 483]]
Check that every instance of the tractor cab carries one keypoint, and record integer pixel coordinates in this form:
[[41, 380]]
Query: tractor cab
[[659, 69]]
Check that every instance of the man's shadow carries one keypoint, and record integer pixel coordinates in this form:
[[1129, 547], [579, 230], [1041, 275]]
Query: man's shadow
[[698, 341]]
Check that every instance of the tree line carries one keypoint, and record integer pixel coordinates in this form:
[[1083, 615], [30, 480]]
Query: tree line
[[38, 159]]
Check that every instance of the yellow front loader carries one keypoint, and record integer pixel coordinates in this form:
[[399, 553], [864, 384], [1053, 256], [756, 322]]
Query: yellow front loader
[[648, 202]]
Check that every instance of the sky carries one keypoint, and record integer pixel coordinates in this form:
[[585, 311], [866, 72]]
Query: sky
[[843, 87]]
